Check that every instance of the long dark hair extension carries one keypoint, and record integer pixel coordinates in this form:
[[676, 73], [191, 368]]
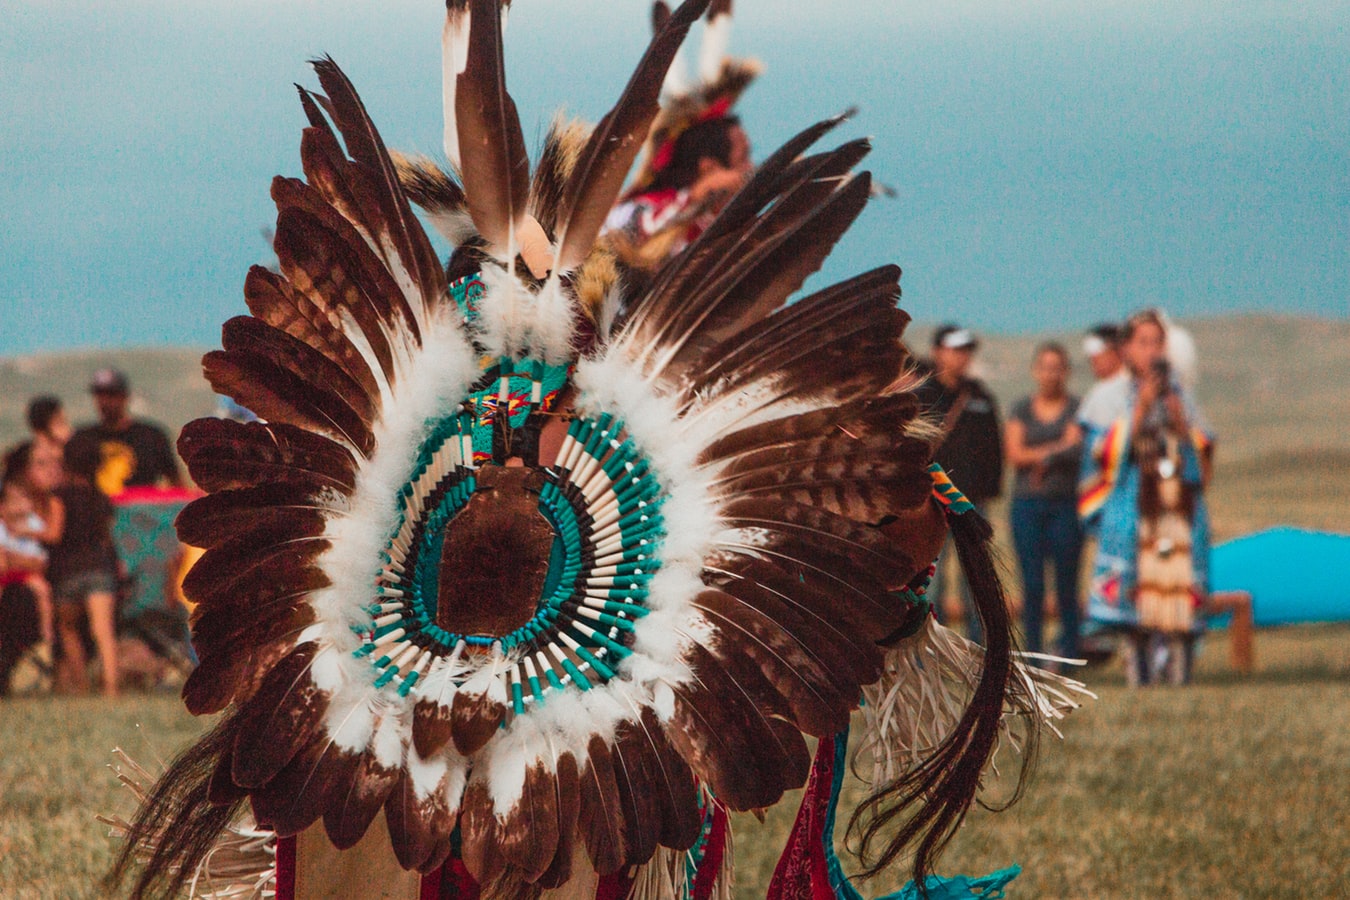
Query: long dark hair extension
[[929, 802], [180, 820]]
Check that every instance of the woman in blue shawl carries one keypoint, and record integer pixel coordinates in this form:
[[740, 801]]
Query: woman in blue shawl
[[1143, 497]]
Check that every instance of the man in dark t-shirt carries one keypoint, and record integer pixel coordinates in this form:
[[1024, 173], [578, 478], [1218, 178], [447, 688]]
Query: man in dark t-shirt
[[135, 453], [972, 449]]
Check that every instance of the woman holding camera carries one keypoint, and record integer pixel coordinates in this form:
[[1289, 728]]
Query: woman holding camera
[[1146, 466]]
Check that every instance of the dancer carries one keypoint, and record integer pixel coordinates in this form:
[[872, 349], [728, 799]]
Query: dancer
[[1145, 472], [696, 157], [551, 595]]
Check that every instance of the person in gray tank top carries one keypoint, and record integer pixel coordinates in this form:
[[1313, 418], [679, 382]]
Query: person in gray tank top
[[1044, 445]]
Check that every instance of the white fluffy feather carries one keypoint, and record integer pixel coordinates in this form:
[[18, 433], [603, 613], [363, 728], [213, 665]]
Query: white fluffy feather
[[426, 774], [455, 225], [440, 375]]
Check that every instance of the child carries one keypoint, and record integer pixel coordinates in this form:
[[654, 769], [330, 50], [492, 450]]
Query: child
[[83, 571]]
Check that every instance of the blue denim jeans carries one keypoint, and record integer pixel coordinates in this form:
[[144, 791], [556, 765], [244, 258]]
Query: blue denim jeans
[[1047, 530]]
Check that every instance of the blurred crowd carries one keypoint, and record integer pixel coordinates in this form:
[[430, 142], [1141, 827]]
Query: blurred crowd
[[1112, 482], [69, 499]]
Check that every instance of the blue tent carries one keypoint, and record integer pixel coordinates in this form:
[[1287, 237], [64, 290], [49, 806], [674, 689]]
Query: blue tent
[[1293, 575]]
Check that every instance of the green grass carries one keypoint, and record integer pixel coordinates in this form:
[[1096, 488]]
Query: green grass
[[1234, 787], [54, 778]]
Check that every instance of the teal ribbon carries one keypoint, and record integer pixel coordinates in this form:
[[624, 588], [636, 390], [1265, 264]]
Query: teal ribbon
[[958, 887]]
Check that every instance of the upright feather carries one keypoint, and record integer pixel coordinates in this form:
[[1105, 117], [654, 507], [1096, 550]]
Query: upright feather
[[495, 166]]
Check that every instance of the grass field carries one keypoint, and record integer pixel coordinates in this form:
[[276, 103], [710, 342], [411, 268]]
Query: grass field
[[1234, 787]]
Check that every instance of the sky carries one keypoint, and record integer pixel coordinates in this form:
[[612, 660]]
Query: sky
[[1055, 163]]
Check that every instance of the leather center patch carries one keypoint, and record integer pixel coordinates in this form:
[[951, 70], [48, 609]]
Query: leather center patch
[[494, 560]]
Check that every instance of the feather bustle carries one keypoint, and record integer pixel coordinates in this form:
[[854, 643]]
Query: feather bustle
[[241, 574], [736, 240], [216, 634], [431, 728], [601, 817], [319, 266], [638, 803], [407, 244], [799, 609], [567, 784], [351, 810], [813, 347], [864, 419], [419, 827], [480, 833], [474, 719], [673, 786], [528, 835], [732, 746], [370, 205], [764, 268], [271, 298], [361, 253], [278, 720], [222, 679], [223, 455], [819, 701], [827, 551], [297, 795], [563, 146], [216, 518]]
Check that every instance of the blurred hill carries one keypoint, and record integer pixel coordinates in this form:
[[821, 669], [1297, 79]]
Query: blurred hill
[[1276, 389]]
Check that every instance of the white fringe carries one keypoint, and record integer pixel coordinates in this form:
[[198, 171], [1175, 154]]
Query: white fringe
[[663, 877], [927, 682], [241, 866]]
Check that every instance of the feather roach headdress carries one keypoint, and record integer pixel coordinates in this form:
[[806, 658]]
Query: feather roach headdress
[[542, 588]]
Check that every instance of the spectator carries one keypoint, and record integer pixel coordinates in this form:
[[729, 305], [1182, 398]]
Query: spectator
[[693, 177], [1044, 444], [1145, 472], [83, 571], [49, 426], [972, 449], [1102, 348], [36, 520], [134, 452], [1101, 345]]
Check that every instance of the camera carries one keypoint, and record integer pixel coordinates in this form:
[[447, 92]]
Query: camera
[[1163, 372]]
